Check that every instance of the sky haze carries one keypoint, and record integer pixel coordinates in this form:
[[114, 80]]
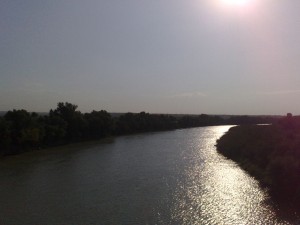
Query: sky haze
[[193, 56]]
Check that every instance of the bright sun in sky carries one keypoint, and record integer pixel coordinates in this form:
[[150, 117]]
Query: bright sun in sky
[[236, 2]]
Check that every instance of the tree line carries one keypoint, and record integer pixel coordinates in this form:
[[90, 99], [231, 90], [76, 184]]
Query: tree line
[[22, 131]]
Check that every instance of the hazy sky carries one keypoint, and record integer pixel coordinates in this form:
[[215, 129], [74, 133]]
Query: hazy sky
[[159, 56]]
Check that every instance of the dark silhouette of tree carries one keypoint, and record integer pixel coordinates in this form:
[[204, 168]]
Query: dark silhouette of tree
[[55, 129], [5, 136], [75, 123], [22, 131], [199, 121], [100, 123], [144, 122], [126, 124], [65, 110], [25, 129], [247, 120]]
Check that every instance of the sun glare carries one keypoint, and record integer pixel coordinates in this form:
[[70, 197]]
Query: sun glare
[[236, 2]]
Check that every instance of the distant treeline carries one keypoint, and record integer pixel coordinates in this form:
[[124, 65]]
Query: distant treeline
[[269, 153], [22, 131]]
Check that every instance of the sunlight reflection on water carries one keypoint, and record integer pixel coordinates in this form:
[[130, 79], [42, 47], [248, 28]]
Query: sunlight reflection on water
[[218, 191], [174, 177]]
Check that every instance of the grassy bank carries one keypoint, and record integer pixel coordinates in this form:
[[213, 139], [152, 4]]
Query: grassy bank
[[269, 153]]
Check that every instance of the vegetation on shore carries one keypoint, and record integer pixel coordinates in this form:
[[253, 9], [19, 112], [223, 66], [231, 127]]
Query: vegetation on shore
[[22, 131], [269, 153]]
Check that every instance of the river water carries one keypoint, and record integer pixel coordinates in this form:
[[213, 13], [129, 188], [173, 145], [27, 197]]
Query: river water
[[174, 177]]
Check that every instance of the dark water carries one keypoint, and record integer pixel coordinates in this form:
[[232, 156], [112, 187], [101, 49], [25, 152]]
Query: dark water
[[174, 177]]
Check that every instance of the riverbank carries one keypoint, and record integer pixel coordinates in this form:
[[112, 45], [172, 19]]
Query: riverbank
[[21, 131], [269, 153]]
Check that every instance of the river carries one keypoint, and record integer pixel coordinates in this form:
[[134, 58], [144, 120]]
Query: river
[[173, 177]]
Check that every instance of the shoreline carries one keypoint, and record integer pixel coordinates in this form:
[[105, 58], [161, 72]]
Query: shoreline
[[267, 153]]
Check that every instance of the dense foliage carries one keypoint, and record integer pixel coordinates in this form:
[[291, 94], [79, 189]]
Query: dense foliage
[[269, 153], [22, 131]]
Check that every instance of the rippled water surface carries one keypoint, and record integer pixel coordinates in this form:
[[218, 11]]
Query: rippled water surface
[[174, 177]]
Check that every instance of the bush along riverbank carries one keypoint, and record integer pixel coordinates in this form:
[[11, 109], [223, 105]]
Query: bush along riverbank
[[269, 153], [21, 131]]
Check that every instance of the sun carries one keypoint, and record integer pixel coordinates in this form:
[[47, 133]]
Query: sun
[[236, 2]]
